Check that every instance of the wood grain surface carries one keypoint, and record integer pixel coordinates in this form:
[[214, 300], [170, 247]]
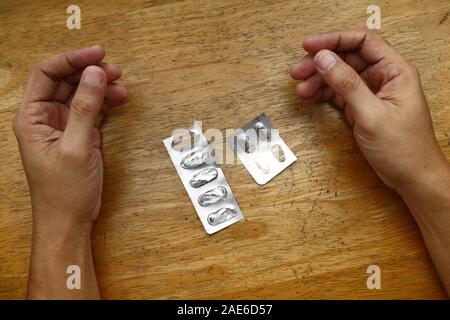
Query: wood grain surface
[[309, 233]]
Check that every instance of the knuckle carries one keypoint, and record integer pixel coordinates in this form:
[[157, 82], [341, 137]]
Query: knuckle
[[82, 105], [360, 29], [72, 154], [371, 33], [391, 70], [15, 125], [410, 70], [350, 81], [40, 65], [415, 71], [67, 152], [372, 124]]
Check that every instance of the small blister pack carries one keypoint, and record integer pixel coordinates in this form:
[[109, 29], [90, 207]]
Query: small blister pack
[[261, 149], [203, 179]]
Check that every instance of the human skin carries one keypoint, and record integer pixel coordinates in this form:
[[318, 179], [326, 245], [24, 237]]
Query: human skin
[[58, 131], [378, 90], [381, 96]]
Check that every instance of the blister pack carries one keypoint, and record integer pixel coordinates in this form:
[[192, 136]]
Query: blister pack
[[203, 179], [261, 149]]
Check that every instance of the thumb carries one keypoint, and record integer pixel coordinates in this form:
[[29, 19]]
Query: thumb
[[85, 107], [345, 82]]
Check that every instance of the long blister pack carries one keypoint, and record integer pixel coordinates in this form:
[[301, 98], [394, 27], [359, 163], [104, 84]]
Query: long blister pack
[[261, 149], [203, 179]]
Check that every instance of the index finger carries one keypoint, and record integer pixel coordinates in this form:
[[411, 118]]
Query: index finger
[[47, 74], [369, 44]]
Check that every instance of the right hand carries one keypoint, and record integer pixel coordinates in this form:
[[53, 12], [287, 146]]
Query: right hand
[[382, 98]]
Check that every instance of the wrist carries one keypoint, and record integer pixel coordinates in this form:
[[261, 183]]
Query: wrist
[[61, 231], [55, 247], [434, 177], [56, 225], [428, 192], [55, 219]]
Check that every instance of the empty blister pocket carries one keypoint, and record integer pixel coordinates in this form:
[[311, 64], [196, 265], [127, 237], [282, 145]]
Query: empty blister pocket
[[203, 179]]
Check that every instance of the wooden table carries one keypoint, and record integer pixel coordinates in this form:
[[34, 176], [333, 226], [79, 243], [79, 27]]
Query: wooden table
[[309, 233]]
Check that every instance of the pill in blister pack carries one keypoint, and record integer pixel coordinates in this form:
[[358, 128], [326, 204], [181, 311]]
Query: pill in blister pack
[[203, 179], [261, 149]]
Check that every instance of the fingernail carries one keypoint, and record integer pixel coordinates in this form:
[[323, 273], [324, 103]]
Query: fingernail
[[92, 77], [325, 60]]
